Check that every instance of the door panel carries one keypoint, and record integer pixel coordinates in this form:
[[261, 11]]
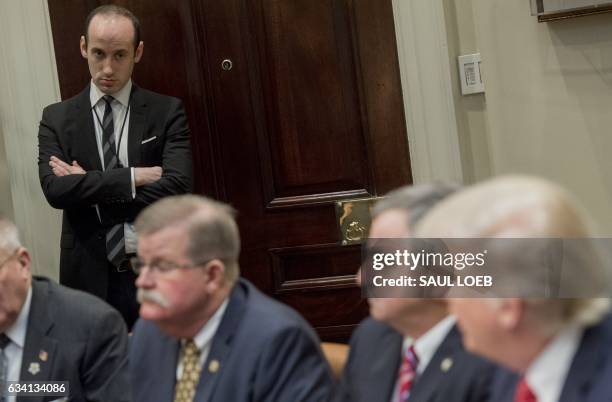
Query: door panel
[[310, 113]]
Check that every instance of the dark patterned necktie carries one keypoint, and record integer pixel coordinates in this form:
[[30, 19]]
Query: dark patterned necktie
[[4, 341], [115, 238], [186, 387]]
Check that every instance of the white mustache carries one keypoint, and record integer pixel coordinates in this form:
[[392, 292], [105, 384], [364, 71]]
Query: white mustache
[[144, 295]]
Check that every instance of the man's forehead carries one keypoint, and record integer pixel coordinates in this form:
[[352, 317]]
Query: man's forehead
[[169, 239], [392, 223], [111, 28]]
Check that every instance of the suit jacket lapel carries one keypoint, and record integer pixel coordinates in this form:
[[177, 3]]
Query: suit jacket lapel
[[138, 107], [39, 349], [165, 381], [587, 364], [385, 367], [439, 367], [221, 343], [85, 133], [504, 385]]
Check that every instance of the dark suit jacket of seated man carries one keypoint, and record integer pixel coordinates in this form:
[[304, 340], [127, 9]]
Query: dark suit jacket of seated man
[[261, 351], [451, 375], [205, 334], [102, 168], [58, 334]]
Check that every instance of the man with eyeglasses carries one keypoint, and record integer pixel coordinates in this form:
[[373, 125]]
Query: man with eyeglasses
[[205, 334], [52, 333]]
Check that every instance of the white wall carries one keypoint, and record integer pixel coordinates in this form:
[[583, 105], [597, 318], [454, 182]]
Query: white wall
[[548, 98], [6, 202], [28, 79]]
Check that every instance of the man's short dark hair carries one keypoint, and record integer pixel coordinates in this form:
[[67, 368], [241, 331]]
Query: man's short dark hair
[[111, 9]]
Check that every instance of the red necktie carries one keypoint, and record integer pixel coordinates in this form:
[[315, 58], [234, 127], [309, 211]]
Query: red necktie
[[407, 373], [524, 393]]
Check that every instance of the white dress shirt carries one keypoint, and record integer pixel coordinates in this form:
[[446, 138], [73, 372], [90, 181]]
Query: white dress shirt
[[204, 337], [121, 113], [546, 375], [17, 334], [425, 347]]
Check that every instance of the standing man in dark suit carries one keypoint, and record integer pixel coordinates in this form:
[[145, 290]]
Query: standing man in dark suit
[[52, 333], [410, 349], [205, 334], [107, 153], [557, 339]]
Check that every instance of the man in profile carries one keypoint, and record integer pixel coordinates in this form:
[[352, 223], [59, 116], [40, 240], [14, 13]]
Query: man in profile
[[558, 343], [52, 333], [107, 153], [205, 334], [410, 348]]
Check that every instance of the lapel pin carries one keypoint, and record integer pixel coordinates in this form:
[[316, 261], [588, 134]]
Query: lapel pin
[[446, 364], [43, 355], [213, 366], [34, 368]]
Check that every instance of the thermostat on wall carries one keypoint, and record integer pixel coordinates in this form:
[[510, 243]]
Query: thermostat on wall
[[469, 74]]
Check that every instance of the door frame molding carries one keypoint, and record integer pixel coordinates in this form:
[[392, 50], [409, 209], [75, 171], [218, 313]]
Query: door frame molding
[[425, 70]]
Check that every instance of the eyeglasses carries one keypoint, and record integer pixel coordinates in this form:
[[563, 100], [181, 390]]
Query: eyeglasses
[[163, 266], [10, 257]]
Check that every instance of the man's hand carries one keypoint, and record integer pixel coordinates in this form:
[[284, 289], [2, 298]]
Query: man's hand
[[143, 176], [61, 168]]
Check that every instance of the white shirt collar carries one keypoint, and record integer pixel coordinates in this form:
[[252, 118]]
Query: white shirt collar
[[17, 332], [546, 375], [123, 95], [205, 335], [426, 345]]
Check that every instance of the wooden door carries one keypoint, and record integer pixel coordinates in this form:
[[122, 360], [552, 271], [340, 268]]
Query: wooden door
[[293, 105]]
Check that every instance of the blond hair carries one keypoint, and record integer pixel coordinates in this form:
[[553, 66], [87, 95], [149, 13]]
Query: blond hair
[[529, 207]]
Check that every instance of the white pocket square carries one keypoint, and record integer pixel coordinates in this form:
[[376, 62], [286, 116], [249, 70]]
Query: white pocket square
[[148, 140]]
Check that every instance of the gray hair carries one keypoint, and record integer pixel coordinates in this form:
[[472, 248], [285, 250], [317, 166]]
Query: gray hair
[[9, 235], [210, 225], [416, 200]]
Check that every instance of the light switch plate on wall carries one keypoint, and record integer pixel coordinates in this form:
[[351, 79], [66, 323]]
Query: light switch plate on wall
[[469, 74]]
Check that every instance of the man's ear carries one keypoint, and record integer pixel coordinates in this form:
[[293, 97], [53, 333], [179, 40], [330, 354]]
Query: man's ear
[[24, 259], [215, 274], [510, 313], [139, 50], [83, 46]]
